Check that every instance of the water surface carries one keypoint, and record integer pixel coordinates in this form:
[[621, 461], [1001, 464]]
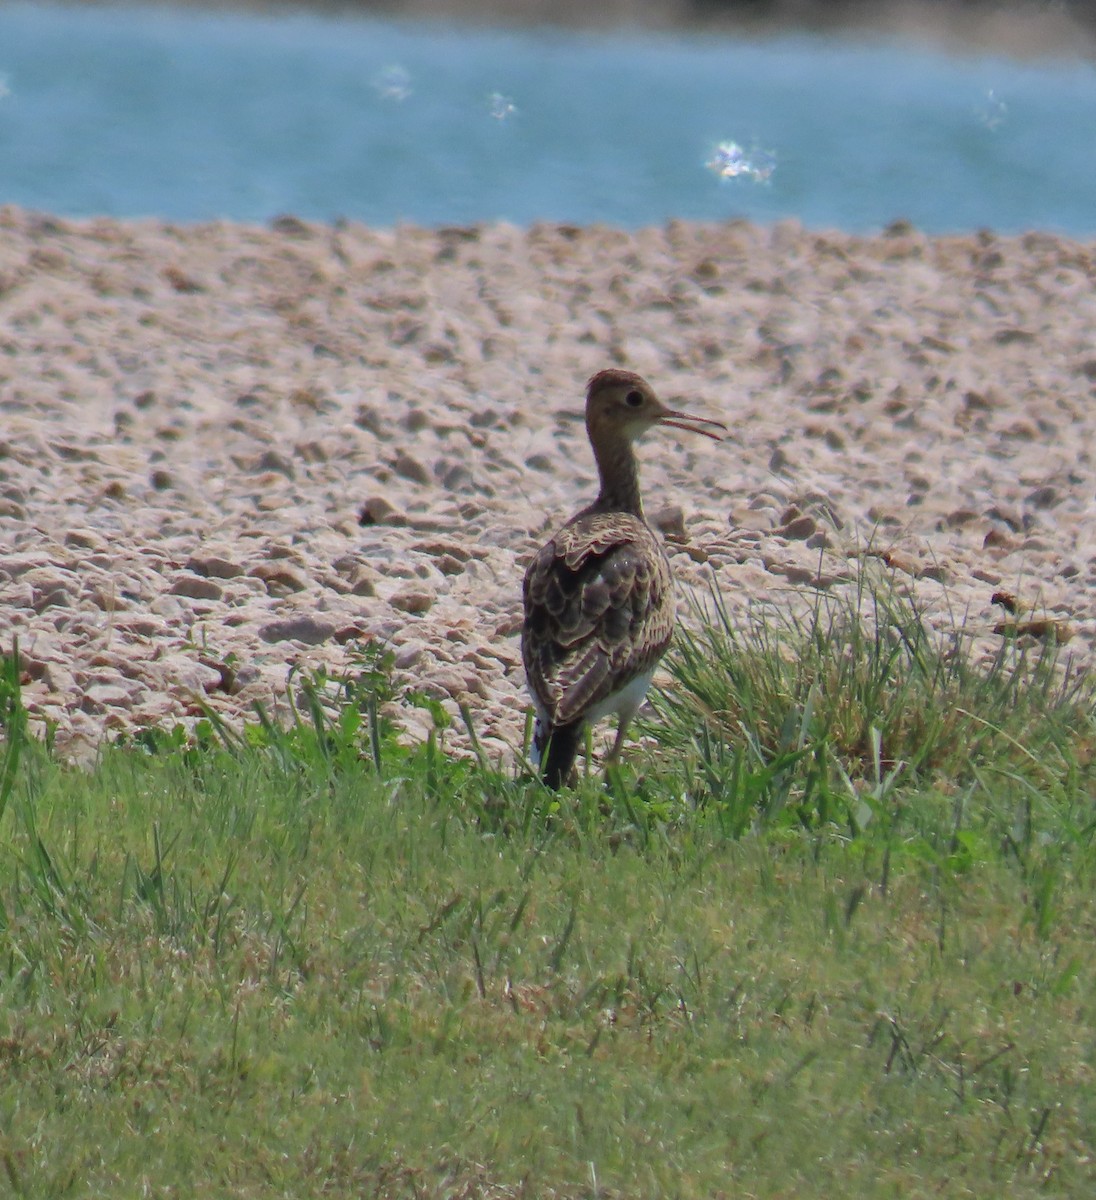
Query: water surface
[[190, 115]]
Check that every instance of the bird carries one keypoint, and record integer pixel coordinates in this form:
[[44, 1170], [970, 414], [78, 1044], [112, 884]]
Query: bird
[[598, 595]]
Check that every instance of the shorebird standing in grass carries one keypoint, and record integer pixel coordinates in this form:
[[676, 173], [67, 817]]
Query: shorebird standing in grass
[[599, 608]]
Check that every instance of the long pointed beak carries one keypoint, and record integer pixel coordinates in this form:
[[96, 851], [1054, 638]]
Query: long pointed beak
[[691, 424]]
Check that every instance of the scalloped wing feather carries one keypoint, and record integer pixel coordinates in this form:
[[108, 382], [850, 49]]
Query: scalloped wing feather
[[598, 613]]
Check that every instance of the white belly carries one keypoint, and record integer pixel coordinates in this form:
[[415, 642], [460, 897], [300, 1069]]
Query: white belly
[[625, 703]]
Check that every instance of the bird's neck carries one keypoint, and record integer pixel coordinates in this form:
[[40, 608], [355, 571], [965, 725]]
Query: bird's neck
[[618, 469]]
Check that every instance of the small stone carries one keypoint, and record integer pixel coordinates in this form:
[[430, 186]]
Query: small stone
[[413, 600], [100, 696], [196, 587], [897, 561], [446, 682], [443, 548], [457, 479], [213, 566], [1006, 337], [289, 226], [280, 578], [85, 539], [168, 607], [181, 674], [999, 539], [448, 565], [58, 678], [438, 352], [744, 519], [304, 628], [363, 582], [162, 480], [670, 521], [222, 678], [1044, 497], [180, 280], [312, 452], [50, 595], [407, 656], [798, 528], [778, 461], [410, 468], [792, 572], [272, 460], [378, 511], [107, 597]]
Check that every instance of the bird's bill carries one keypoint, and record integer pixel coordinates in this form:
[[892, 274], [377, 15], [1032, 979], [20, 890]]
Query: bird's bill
[[691, 424]]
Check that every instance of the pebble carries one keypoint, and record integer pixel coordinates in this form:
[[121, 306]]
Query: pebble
[[310, 630], [410, 468], [798, 528], [100, 697], [669, 520], [379, 511], [281, 579], [412, 600], [408, 655], [197, 587], [213, 566]]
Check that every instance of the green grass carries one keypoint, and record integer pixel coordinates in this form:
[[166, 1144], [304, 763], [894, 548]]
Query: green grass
[[832, 938]]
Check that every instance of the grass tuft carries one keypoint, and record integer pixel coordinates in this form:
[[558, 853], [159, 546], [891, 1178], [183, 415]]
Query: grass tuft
[[842, 715]]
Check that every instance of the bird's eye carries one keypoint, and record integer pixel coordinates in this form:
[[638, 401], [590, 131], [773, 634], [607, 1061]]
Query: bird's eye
[[633, 399]]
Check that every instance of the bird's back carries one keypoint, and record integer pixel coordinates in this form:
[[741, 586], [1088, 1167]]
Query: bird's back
[[598, 613]]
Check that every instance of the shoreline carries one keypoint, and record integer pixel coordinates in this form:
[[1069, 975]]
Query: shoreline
[[197, 419], [1022, 29]]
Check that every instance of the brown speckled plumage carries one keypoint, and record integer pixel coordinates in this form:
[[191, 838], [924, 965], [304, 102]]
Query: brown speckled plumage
[[599, 609]]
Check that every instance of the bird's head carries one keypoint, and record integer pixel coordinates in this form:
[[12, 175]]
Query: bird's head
[[623, 404]]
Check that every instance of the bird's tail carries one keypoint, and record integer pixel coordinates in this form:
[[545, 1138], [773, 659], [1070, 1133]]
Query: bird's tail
[[554, 750]]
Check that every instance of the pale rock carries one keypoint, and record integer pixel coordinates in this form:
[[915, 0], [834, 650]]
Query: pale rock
[[197, 587], [51, 592], [379, 511], [408, 655], [302, 628], [280, 578], [669, 520], [190, 676], [798, 528], [410, 468], [105, 694], [213, 566], [86, 539], [105, 596], [413, 600]]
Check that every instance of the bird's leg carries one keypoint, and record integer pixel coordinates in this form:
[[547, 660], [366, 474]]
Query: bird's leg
[[618, 742]]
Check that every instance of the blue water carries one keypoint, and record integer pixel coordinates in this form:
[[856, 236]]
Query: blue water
[[187, 116]]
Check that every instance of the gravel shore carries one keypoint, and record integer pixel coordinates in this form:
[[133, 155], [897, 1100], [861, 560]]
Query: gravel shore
[[229, 451]]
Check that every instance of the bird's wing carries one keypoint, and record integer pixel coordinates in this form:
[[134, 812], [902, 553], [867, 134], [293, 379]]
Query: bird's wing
[[598, 612]]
